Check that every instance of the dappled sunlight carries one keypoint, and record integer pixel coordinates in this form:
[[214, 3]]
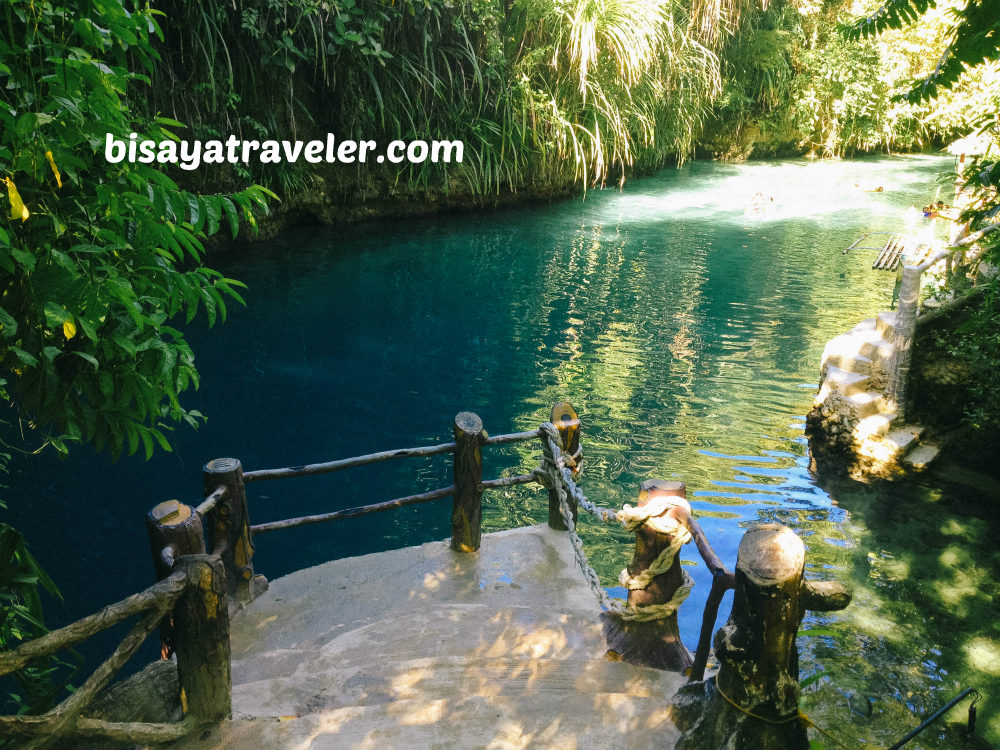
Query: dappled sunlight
[[983, 655], [432, 581], [427, 712]]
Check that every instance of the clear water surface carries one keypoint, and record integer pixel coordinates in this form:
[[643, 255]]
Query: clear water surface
[[688, 336]]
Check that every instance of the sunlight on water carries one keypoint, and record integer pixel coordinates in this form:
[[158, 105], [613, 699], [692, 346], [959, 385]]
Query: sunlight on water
[[686, 331]]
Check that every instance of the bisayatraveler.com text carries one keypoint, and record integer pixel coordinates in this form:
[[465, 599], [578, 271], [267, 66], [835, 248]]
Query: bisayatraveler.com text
[[192, 154]]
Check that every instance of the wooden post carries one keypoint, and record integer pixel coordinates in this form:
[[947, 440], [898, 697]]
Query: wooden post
[[566, 420], [229, 530], [467, 501], [201, 633], [174, 530], [753, 702], [657, 643]]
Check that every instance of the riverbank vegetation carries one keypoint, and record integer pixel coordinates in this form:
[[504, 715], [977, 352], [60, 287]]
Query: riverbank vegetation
[[551, 95]]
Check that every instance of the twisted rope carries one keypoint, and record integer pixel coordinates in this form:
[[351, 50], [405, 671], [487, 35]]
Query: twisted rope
[[560, 478]]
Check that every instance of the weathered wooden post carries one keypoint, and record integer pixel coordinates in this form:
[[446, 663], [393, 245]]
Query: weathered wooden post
[[174, 530], [201, 639], [229, 529], [566, 420], [753, 701], [653, 578], [467, 501]]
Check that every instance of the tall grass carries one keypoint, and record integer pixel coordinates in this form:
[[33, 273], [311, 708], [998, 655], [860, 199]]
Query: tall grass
[[545, 93]]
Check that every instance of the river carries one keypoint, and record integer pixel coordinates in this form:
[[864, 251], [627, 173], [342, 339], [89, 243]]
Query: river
[[686, 333]]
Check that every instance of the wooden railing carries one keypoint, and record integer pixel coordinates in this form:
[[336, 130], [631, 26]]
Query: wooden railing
[[203, 558], [192, 598]]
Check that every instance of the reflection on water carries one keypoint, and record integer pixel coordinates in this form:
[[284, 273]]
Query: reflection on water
[[686, 333]]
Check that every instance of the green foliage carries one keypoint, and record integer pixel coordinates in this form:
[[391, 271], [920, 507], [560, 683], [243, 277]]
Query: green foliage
[[542, 92], [974, 38], [21, 620], [97, 259], [976, 345], [793, 82]]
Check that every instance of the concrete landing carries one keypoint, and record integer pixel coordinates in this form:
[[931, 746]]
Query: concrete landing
[[427, 648]]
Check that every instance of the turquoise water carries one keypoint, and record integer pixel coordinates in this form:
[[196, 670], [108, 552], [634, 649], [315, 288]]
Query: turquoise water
[[686, 333]]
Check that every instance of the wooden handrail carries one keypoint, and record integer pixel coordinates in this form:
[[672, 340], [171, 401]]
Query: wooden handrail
[[212, 500], [60, 719], [513, 437], [373, 458], [262, 528], [510, 481], [346, 463], [159, 595], [722, 581]]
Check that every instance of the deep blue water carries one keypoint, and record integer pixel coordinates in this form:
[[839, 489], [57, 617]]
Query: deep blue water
[[686, 333]]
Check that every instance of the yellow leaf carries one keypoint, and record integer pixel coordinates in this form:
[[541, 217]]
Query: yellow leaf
[[69, 329], [17, 208], [287, 718], [55, 169]]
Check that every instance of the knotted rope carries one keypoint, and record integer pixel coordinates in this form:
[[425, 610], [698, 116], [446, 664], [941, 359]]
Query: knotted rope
[[558, 477]]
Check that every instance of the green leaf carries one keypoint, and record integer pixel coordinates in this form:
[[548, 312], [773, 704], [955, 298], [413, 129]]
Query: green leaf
[[814, 677], [55, 314], [231, 215], [89, 358], [8, 326], [213, 213], [24, 357]]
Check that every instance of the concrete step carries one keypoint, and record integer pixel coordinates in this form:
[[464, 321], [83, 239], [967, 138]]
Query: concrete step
[[536, 719], [885, 323], [868, 324], [846, 344], [873, 345], [844, 382], [844, 351], [427, 647], [475, 631], [499, 681], [873, 426], [903, 438], [921, 456], [865, 404]]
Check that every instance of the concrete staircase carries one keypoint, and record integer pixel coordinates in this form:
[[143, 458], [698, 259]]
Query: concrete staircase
[[423, 647], [851, 407]]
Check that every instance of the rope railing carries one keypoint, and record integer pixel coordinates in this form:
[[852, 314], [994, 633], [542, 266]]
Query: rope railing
[[468, 481]]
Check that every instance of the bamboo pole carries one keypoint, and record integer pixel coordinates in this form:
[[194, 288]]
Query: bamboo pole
[[905, 328], [514, 437]]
